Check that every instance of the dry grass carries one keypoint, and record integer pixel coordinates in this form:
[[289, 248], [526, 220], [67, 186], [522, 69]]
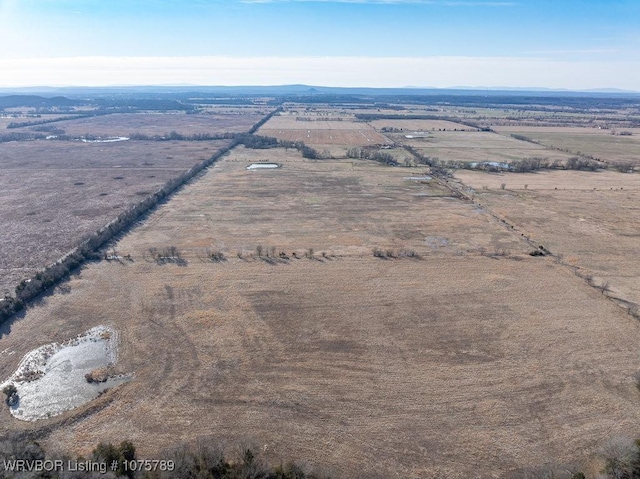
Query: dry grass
[[449, 365], [342, 207], [598, 143], [322, 132], [346, 138], [53, 193], [606, 180], [420, 125], [591, 219], [474, 146], [294, 122], [158, 124], [442, 367]]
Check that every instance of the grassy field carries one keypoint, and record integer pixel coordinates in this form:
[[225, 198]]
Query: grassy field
[[158, 124], [53, 193], [319, 132], [420, 125], [591, 219], [473, 146], [598, 143], [458, 363]]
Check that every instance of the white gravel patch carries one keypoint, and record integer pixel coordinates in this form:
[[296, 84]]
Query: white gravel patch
[[51, 379]]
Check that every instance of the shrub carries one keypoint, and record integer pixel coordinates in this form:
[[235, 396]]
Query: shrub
[[10, 390]]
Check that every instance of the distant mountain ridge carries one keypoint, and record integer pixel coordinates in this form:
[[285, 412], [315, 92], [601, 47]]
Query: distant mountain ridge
[[303, 90]]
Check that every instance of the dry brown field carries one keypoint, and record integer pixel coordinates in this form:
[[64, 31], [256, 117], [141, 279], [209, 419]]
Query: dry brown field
[[340, 207], [338, 137], [466, 140], [420, 125], [598, 143], [124, 124], [586, 130], [475, 146], [53, 193], [322, 133], [454, 365], [591, 219], [291, 122]]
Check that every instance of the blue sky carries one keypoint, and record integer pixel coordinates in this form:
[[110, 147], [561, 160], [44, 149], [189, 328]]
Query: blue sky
[[559, 44]]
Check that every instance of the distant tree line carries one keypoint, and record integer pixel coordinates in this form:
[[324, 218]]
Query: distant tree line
[[221, 101], [175, 136], [20, 136], [44, 121]]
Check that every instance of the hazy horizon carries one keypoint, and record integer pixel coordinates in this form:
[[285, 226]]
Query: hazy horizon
[[578, 45]]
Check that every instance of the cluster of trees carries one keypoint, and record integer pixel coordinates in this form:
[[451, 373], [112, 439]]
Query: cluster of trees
[[168, 254], [530, 164], [272, 254], [258, 142], [517, 136], [306, 151], [583, 164], [174, 135], [202, 460], [372, 154], [391, 253], [20, 136], [51, 129], [420, 158]]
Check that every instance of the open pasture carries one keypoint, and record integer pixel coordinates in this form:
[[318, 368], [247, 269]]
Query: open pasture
[[604, 180], [466, 140], [295, 122], [591, 219], [478, 147], [335, 137], [322, 132], [409, 126], [53, 193], [598, 143], [452, 365], [339, 207], [124, 124]]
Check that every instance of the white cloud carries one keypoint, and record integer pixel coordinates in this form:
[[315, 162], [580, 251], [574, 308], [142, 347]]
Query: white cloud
[[326, 71]]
